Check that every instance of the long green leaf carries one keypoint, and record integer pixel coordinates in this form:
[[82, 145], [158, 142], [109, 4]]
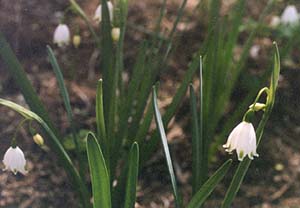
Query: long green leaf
[[197, 145], [164, 140], [148, 149], [99, 174], [100, 122], [17, 72], [200, 197], [132, 176], [61, 83], [66, 99], [57, 148], [107, 58], [244, 165]]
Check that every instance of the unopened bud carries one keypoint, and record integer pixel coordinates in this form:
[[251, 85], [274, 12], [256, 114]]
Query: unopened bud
[[38, 139], [115, 34], [258, 106], [76, 40]]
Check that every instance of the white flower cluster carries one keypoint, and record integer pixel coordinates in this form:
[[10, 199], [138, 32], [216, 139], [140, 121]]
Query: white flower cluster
[[62, 35]]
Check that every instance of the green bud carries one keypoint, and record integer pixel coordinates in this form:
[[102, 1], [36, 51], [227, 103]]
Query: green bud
[[258, 106]]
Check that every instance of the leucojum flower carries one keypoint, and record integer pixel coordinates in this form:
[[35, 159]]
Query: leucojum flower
[[98, 12], [14, 160], [290, 15], [243, 140], [61, 35]]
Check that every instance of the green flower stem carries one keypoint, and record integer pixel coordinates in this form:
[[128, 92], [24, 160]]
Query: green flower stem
[[244, 165], [14, 139], [266, 90], [251, 111], [82, 14]]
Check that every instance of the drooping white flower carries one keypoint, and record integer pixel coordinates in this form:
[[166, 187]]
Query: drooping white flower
[[14, 160], [290, 15], [254, 51], [115, 34], [243, 140], [61, 35], [98, 12]]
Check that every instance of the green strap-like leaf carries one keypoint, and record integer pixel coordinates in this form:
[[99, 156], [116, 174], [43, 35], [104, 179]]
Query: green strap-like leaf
[[100, 121], [61, 83], [17, 72], [164, 140], [132, 176], [66, 99], [99, 174], [206, 189], [197, 144]]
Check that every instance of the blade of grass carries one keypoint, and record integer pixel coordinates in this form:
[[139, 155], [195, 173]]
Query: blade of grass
[[173, 30], [66, 100], [197, 145], [201, 195], [131, 92], [99, 174], [244, 165], [108, 71], [164, 140], [132, 176], [100, 122], [148, 148], [17, 72]]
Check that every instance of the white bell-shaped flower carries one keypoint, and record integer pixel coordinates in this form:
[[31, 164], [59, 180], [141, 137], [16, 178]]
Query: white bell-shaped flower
[[14, 160], [243, 140], [290, 15], [98, 12], [62, 35]]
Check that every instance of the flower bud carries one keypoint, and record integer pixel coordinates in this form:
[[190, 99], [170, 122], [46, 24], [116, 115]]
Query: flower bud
[[275, 21], [76, 40], [258, 106], [115, 34], [38, 139]]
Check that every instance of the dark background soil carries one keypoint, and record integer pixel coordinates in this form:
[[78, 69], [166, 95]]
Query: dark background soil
[[29, 25]]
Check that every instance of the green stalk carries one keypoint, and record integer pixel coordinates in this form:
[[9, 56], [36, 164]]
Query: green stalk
[[66, 100], [244, 165], [82, 14], [164, 140]]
